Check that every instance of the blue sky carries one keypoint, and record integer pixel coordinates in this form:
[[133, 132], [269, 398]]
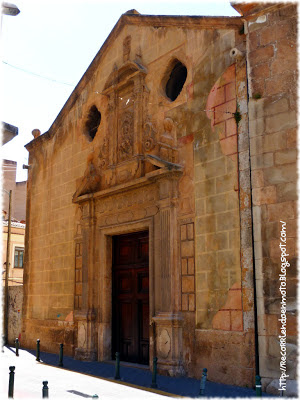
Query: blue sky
[[58, 40]]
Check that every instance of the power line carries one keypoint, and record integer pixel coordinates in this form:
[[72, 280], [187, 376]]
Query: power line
[[40, 76]]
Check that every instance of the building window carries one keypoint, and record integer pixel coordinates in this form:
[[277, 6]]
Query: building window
[[19, 257], [92, 123], [176, 81]]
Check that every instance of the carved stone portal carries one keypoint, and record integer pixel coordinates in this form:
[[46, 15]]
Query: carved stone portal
[[125, 139]]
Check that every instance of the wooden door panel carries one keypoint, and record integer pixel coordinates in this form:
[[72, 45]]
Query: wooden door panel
[[131, 297], [143, 283], [126, 316], [144, 332], [124, 283]]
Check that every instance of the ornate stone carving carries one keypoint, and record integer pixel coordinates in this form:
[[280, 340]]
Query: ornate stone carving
[[149, 136], [90, 182], [138, 54], [167, 141], [168, 136], [125, 142], [126, 200], [103, 154], [164, 343], [111, 103], [126, 48]]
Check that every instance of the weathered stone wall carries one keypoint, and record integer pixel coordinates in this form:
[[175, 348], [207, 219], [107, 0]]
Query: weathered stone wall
[[272, 59], [15, 300], [200, 211]]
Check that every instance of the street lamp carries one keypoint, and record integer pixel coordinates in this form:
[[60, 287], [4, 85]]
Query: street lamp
[[9, 9]]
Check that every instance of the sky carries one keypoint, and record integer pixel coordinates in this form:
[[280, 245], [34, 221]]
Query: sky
[[47, 48]]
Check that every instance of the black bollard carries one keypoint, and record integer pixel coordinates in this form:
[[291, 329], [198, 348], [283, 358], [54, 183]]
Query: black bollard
[[11, 383], [61, 355], [38, 350], [45, 390], [154, 372], [117, 372], [202, 382], [17, 347], [258, 386]]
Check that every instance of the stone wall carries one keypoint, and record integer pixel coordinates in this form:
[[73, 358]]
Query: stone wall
[[272, 57], [15, 300], [82, 192]]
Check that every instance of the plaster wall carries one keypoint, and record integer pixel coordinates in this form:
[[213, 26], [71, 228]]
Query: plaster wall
[[15, 275]]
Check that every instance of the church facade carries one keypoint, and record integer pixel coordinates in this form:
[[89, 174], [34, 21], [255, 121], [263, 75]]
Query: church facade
[[153, 213]]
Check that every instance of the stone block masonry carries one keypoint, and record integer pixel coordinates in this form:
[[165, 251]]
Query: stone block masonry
[[272, 118], [201, 172]]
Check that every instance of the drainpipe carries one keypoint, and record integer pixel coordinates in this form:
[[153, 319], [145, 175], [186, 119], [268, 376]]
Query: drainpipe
[[7, 269], [251, 210]]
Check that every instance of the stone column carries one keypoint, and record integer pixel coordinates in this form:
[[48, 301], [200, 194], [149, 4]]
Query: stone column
[[86, 317], [167, 319]]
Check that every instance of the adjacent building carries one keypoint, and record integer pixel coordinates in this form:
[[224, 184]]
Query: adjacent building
[[155, 199]]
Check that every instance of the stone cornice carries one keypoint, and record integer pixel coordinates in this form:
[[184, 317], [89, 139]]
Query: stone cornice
[[148, 179], [252, 10]]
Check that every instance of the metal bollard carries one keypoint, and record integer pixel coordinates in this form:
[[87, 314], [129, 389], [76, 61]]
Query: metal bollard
[[45, 390], [154, 373], [17, 347], [11, 383], [38, 350], [117, 372], [61, 355], [202, 382], [258, 386]]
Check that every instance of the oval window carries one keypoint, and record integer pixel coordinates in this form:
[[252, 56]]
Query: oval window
[[176, 81], [92, 123]]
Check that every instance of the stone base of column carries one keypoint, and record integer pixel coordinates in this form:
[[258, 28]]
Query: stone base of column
[[86, 349], [170, 368], [85, 354], [168, 339]]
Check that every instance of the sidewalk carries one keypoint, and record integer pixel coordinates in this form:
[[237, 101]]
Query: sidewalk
[[82, 379]]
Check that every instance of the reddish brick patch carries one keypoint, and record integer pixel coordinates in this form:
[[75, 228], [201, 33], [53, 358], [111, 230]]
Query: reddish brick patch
[[221, 321], [230, 316], [220, 107], [229, 145], [185, 139], [236, 320]]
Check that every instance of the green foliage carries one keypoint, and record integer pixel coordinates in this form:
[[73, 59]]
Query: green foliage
[[257, 96], [237, 116]]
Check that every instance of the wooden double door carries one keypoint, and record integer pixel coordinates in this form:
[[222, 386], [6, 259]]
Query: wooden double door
[[130, 297]]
